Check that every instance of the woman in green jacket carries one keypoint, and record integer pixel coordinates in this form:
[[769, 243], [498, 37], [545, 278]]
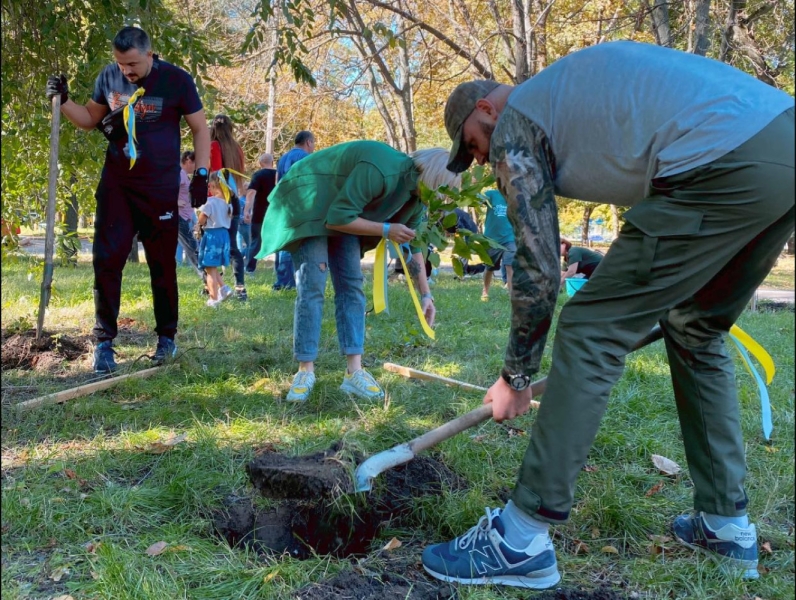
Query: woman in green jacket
[[331, 208]]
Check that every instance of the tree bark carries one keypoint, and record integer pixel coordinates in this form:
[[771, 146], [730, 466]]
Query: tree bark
[[702, 27], [659, 15], [133, 256], [615, 220], [584, 235]]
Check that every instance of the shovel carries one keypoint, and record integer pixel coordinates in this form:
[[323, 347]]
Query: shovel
[[403, 453]]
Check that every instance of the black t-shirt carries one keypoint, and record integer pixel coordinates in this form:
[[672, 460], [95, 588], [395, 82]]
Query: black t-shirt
[[170, 94], [263, 183]]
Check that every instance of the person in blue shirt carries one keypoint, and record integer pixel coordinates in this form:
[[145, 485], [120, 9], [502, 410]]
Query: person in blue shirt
[[498, 227], [304, 145]]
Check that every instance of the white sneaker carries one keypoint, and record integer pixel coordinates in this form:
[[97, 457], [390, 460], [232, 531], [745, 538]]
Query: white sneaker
[[213, 303], [302, 385], [224, 293]]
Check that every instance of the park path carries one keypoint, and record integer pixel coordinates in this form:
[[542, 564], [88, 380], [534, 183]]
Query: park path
[[35, 245]]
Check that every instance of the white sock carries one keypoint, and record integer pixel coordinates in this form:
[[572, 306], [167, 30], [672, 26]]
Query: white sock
[[520, 527], [716, 522]]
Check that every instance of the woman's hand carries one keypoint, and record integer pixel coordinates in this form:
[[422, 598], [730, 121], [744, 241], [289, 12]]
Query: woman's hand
[[401, 233], [429, 310]]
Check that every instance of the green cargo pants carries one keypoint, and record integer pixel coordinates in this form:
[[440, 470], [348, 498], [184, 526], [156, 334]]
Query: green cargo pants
[[690, 256]]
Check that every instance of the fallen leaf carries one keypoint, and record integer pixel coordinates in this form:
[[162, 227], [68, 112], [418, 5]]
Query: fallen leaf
[[261, 383], [766, 547], [156, 548], [64, 597], [771, 449], [392, 545], [654, 489], [665, 465], [270, 576], [92, 547], [655, 549], [595, 533], [177, 548], [58, 574], [590, 468], [762, 569], [479, 438], [512, 431], [581, 547], [95, 576], [70, 474], [51, 543], [161, 447], [609, 550], [659, 539], [25, 502]]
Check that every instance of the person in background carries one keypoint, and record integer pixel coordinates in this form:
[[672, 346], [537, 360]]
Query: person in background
[[498, 227], [225, 152], [187, 214], [578, 260], [703, 153], [304, 145], [329, 210], [140, 180], [244, 228], [260, 187], [212, 229]]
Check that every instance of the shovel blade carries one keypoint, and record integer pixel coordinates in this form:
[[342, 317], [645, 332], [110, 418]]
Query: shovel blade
[[378, 463]]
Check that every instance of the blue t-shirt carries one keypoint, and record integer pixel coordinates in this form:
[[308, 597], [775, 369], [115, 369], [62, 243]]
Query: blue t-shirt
[[497, 225], [170, 94], [288, 160]]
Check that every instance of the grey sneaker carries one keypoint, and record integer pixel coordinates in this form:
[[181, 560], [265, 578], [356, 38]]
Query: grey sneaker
[[361, 383], [103, 357], [731, 546], [224, 293], [302, 385]]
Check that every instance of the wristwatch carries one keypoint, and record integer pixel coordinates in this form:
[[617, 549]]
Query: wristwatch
[[516, 381], [201, 171]]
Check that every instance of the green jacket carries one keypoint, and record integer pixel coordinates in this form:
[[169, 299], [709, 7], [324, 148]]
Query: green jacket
[[356, 179]]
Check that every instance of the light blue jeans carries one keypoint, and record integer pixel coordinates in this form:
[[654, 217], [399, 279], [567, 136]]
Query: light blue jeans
[[316, 257]]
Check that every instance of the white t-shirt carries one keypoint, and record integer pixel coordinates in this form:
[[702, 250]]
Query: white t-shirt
[[219, 213], [621, 114]]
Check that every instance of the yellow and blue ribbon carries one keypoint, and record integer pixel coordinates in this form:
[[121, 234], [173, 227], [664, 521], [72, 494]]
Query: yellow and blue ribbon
[[746, 345], [380, 284], [225, 177], [129, 125]]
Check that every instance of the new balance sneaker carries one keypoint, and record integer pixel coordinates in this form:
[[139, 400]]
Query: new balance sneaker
[[733, 547], [166, 349], [104, 362], [482, 556], [300, 389], [224, 293], [361, 383]]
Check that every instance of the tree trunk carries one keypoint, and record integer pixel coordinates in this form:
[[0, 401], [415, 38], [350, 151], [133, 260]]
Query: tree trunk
[[702, 27], [269, 122], [659, 15], [584, 236], [615, 220], [133, 256], [521, 71], [791, 245]]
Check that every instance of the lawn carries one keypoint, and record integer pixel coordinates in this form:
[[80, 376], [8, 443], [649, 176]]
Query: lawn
[[89, 486]]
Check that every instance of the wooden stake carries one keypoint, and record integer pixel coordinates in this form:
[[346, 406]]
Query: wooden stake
[[49, 238], [83, 390]]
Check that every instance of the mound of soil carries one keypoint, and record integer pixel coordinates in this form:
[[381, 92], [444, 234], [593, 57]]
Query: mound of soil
[[23, 351], [602, 593], [309, 522]]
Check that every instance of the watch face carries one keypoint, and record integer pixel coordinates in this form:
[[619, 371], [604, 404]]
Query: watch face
[[519, 382], [201, 171]]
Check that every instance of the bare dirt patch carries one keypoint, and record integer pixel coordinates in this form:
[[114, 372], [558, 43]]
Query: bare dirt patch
[[24, 351]]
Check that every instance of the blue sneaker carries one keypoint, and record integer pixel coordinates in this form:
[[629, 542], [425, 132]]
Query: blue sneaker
[[166, 349], [103, 357], [361, 383], [482, 556], [733, 547]]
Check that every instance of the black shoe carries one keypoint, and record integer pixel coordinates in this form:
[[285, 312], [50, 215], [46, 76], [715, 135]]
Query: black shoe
[[166, 349], [103, 357], [205, 291], [240, 293], [277, 287]]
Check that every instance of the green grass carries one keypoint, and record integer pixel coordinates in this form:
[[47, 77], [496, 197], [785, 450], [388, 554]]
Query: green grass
[[81, 473]]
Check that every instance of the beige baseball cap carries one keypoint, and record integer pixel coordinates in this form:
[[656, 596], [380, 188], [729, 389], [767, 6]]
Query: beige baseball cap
[[460, 105]]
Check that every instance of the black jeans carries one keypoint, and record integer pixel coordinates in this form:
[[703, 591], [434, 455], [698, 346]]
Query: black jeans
[[235, 255], [123, 210], [254, 247]]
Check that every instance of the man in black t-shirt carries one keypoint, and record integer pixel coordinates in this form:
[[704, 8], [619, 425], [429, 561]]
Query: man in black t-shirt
[[260, 187], [139, 185]]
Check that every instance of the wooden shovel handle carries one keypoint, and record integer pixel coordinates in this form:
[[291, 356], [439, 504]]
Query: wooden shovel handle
[[467, 420]]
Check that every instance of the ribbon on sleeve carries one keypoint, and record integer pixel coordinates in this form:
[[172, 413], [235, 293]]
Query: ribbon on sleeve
[[743, 342], [129, 125], [380, 284]]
